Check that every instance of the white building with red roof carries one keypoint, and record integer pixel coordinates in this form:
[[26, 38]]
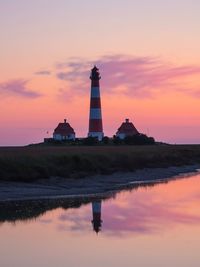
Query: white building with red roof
[[64, 132], [126, 129]]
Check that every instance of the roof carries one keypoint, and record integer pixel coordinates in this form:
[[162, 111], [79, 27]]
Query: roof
[[64, 128], [127, 128]]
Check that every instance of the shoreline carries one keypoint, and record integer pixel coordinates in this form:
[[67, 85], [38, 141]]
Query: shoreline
[[56, 187]]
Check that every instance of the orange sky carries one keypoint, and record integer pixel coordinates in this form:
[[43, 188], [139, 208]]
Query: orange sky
[[148, 55]]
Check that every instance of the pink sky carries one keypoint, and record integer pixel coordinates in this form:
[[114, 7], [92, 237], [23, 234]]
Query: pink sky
[[148, 55]]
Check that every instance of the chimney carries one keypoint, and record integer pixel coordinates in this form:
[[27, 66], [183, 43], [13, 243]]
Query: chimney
[[127, 120]]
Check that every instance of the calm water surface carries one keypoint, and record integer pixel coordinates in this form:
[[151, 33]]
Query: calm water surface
[[151, 226]]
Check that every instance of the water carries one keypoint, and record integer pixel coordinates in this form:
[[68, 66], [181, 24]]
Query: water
[[149, 226]]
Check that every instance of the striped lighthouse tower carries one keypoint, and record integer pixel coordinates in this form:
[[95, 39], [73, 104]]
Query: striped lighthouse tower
[[95, 120]]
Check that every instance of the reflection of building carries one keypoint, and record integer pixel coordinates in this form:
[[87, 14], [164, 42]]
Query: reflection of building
[[96, 211], [64, 132], [126, 129], [95, 120]]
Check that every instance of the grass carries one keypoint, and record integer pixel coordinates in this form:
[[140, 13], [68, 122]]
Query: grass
[[39, 162]]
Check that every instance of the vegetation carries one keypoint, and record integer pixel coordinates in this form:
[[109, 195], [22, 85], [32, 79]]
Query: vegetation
[[40, 162], [138, 139], [13, 211], [31, 209]]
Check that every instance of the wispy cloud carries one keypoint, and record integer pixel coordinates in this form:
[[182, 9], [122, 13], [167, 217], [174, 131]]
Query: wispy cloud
[[17, 88], [132, 76], [43, 72]]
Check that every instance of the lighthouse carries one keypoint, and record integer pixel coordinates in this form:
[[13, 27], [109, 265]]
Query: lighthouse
[[96, 213], [95, 119]]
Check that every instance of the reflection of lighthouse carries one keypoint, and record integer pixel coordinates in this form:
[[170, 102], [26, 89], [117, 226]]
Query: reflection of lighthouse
[[95, 121], [96, 211]]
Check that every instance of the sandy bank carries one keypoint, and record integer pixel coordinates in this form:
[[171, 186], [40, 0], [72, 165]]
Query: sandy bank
[[68, 188]]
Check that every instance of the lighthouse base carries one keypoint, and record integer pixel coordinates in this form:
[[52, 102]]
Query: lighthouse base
[[98, 135]]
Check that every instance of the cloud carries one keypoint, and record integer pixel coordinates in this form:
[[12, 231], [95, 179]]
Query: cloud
[[142, 213], [43, 72], [17, 88], [128, 75]]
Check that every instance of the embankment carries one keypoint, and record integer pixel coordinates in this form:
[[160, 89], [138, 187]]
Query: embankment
[[28, 164]]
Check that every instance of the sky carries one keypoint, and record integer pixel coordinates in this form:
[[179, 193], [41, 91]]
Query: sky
[[147, 53]]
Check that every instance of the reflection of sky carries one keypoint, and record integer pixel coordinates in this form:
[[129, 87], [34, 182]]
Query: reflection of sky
[[155, 227], [145, 211]]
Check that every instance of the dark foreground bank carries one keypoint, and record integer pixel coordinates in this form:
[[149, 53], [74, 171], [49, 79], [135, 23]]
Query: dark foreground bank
[[56, 188], [29, 164]]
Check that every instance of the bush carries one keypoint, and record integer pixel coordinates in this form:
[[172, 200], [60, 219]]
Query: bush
[[117, 140], [139, 139], [106, 140], [90, 141]]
